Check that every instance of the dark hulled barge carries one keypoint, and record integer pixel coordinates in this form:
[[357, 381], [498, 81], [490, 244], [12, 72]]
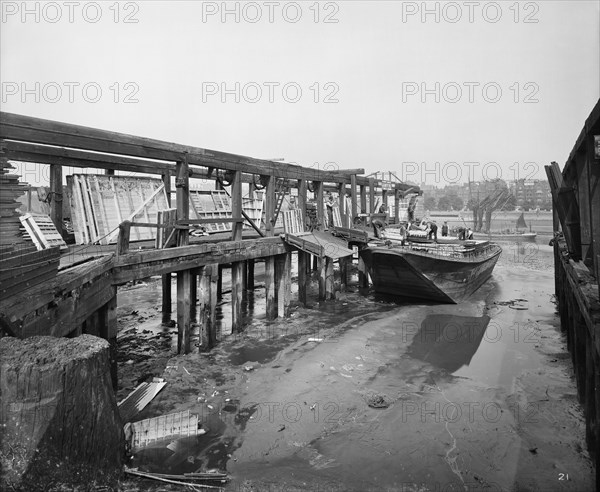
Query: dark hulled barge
[[446, 273]]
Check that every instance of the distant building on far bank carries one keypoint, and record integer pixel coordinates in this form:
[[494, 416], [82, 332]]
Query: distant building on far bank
[[532, 193]]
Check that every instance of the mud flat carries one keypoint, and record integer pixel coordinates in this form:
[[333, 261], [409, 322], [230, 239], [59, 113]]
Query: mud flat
[[365, 393]]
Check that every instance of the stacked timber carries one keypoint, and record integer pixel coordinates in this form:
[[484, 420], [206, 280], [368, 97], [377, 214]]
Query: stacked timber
[[23, 267], [10, 190], [59, 423]]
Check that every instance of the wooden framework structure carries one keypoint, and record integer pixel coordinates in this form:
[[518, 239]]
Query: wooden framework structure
[[82, 298], [576, 205]]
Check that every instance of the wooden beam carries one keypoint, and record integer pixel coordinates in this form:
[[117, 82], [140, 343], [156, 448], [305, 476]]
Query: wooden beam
[[56, 191], [396, 206], [37, 130]]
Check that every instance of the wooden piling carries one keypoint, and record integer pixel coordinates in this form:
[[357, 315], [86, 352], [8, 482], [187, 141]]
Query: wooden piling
[[303, 260], [363, 275], [283, 281], [184, 283], [344, 272], [238, 286], [166, 278], [250, 275], [271, 301], [207, 306]]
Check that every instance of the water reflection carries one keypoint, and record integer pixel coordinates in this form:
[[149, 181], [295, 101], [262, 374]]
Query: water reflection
[[448, 342]]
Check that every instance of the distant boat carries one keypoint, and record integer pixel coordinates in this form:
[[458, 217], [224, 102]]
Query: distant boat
[[521, 224], [516, 233], [445, 273]]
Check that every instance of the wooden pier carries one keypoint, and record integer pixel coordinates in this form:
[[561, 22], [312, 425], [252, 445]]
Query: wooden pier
[[576, 200], [81, 296]]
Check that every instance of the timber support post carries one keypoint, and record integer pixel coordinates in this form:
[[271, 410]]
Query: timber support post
[[271, 301], [166, 277], [208, 306], [182, 183], [237, 268]]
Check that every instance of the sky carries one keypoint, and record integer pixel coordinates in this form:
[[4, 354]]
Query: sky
[[437, 92]]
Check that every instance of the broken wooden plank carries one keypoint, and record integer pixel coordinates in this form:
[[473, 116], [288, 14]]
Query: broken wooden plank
[[139, 398]]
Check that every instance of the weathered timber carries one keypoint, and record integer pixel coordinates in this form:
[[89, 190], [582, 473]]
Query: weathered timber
[[208, 304], [363, 275], [579, 309], [156, 262], [56, 194], [284, 284], [271, 300], [250, 275], [48, 432], [63, 303], [37, 130], [237, 293], [303, 278]]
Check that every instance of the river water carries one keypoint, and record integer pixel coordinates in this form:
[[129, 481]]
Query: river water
[[370, 393]]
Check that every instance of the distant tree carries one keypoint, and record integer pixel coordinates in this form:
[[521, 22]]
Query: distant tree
[[429, 203], [528, 205], [450, 202]]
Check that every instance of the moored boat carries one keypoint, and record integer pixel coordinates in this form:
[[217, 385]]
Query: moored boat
[[446, 273]]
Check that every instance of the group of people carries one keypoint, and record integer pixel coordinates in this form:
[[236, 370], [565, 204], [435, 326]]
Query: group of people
[[431, 228]]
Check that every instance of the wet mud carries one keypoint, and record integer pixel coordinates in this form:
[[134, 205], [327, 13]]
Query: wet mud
[[475, 396]]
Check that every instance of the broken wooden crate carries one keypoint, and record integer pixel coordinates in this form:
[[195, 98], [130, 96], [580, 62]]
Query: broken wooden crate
[[42, 231], [154, 430]]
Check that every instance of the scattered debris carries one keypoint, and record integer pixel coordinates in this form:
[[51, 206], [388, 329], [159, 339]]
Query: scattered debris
[[174, 425], [248, 368], [187, 479], [139, 398], [281, 427], [377, 400]]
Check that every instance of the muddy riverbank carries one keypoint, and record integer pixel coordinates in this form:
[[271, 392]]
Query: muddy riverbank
[[363, 393]]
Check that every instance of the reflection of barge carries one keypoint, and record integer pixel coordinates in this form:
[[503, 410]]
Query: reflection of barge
[[438, 272]]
